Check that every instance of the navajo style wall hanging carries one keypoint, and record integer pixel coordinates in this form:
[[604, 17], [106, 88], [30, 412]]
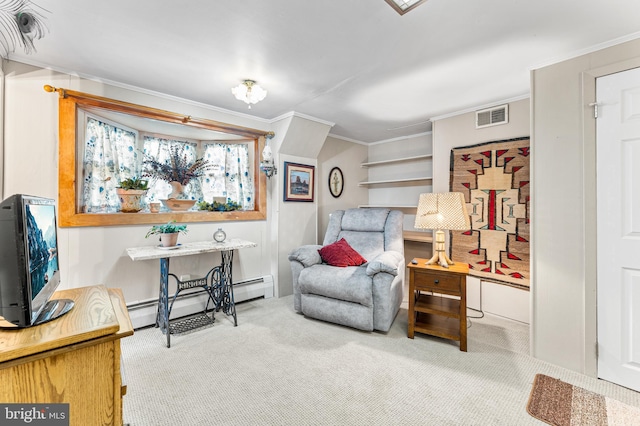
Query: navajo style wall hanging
[[494, 178]]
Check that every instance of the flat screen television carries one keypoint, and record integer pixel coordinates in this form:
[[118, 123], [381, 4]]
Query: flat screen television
[[29, 264]]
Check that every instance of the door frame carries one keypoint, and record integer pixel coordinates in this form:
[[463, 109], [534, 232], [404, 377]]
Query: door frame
[[590, 208]]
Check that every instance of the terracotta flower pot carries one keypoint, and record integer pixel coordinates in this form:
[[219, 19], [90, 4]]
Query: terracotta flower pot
[[130, 199], [169, 240]]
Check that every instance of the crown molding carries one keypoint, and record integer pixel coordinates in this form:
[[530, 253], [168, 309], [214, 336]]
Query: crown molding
[[586, 51], [300, 115], [346, 139], [143, 91], [401, 138]]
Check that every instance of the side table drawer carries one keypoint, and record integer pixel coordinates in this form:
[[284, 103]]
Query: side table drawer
[[435, 281]]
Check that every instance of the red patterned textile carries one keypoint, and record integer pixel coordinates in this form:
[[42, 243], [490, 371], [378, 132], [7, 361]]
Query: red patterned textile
[[494, 178]]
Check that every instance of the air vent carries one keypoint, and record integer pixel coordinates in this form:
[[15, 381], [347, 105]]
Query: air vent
[[492, 116]]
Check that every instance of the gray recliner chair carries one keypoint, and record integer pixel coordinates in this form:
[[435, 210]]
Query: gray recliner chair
[[365, 297]]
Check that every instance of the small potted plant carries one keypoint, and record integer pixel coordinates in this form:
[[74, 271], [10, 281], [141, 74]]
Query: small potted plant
[[217, 206], [130, 192], [168, 233]]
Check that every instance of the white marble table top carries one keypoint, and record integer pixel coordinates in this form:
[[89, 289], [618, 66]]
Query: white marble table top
[[153, 252]]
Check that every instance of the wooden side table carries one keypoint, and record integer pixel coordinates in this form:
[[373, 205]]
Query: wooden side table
[[433, 314]]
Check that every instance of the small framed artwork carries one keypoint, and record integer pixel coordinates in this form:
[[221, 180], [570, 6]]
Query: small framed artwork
[[298, 182], [336, 182]]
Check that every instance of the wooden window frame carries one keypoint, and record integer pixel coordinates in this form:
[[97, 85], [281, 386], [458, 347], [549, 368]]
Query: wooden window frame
[[68, 208]]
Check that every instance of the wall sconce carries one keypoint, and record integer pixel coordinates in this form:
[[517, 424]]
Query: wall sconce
[[267, 165], [249, 92]]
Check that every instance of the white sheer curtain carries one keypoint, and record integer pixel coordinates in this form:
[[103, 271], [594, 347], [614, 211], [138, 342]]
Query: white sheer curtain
[[110, 156], [231, 177]]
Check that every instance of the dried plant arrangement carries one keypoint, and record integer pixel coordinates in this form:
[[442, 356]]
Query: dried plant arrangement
[[179, 169]]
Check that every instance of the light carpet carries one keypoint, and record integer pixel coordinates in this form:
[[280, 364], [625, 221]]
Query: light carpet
[[279, 368], [562, 404]]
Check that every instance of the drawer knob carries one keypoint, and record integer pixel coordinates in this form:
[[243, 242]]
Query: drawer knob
[[436, 281]]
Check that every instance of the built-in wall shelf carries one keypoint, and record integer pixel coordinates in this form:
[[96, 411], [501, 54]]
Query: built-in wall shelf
[[387, 181], [403, 172], [396, 160], [419, 236]]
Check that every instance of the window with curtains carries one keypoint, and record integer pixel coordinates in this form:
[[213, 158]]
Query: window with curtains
[[114, 152], [231, 175]]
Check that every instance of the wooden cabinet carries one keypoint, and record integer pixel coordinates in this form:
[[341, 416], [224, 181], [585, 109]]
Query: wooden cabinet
[[74, 359], [429, 311]]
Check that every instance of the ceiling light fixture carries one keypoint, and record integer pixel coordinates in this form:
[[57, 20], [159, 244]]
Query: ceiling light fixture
[[249, 92], [404, 6]]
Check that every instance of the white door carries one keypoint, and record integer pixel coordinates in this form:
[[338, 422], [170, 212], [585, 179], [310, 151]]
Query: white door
[[618, 192]]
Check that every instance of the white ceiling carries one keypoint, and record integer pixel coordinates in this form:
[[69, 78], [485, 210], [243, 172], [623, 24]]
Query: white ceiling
[[356, 63]]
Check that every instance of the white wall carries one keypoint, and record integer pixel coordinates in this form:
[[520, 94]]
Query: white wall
[[347, 156], [298, 222], [459, 130], [300, 142], [564, 205], [96, 255]]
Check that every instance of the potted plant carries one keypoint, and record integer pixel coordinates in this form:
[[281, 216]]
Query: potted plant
[[217, 206], [178, 172], [130, 192], [168, 233]]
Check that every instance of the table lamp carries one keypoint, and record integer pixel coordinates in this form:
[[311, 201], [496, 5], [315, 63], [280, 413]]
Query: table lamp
[[441, 211]]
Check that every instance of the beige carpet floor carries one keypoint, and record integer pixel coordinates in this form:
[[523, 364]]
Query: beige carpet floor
[[280, 368]]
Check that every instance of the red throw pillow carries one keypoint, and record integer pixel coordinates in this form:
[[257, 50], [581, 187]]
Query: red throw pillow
[[341, 254]]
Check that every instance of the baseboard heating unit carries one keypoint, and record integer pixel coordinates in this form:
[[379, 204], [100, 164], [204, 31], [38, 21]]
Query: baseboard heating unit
[[143, 313]]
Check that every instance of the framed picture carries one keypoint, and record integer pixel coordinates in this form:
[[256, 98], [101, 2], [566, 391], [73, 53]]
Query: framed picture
[[336, 182], [298, 182]]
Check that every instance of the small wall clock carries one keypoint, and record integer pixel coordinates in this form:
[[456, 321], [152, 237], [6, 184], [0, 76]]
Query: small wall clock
[[336, 182]]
